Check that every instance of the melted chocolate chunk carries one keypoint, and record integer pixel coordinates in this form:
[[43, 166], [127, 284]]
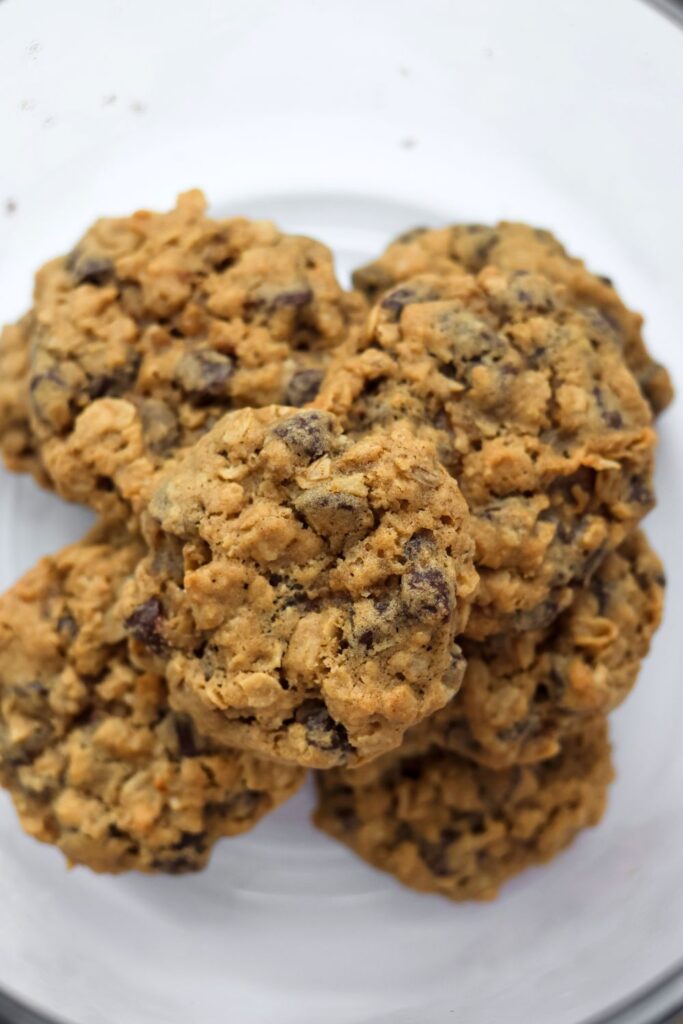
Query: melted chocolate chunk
[[144, 624], [307, 434]]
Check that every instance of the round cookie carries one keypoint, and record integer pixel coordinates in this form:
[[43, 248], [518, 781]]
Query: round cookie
[[523, 693], [533, 412], [512, 247], [95, 760], [303, 592], [442, 824], [156, 324]]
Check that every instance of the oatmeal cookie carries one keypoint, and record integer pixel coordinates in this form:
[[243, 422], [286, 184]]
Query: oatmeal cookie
[[512, 247], [303, 592], [532, 410], [524, 692], [442, 824], [94, 758], [158, 323]]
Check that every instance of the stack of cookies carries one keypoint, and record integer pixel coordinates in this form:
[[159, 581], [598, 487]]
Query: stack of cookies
[[391, 535]]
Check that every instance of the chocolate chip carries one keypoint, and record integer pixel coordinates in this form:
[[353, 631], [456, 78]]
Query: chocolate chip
[[303, 387], [334, 514], [241, 806], [372, 280], [67, 625], [176, 865], [483, 251], [321, 729], [537, 618], [115, 383], [203, 374], [307, 434], [185, 735], [89, 269], [435, 855], [420, 542], [640, 493], [191, 840], [396, 300], [606, 280], [144, 625], [425, 592], [601, 593], [367, 638], [584, 479], [611, 417], [293, 298], [347, 818]]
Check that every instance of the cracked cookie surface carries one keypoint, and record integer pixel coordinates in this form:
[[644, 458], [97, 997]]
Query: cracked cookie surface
[[442, 824], [95, 760], [511, 247], [522, 694], [303, 592], [532, 410], [158, 323]]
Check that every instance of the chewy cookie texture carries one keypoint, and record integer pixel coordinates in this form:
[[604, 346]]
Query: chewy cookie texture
[[443, 824], [303, 592], [390, 534], [523, 692], [532, 410], [151, 328], [94, 758], [512, 248]]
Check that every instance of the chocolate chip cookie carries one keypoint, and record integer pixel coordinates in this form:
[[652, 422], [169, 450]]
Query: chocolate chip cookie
[[524, 692], [156, 324], [303, 592], [512, 247], [95, 760], [533, 412], [442, 824]]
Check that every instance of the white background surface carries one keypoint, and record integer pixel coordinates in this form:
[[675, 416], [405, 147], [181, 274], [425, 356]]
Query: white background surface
[[353, 121]]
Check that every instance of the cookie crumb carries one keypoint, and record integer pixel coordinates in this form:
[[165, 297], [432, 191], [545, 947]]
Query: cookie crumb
[[10, 207]]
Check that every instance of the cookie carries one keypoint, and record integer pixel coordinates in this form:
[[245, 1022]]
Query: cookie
[[94, 758], [523, 693], [303, 592], [17, 445], [533, 412], [158, 323], [442, 824], [512, 247]]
